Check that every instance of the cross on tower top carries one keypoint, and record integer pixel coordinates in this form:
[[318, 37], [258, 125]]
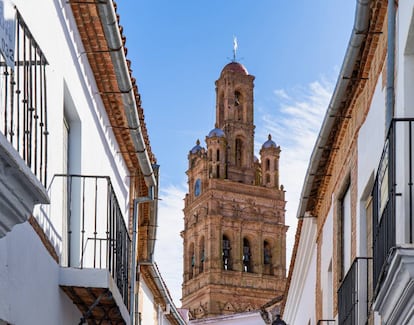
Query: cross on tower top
[[235, 46]]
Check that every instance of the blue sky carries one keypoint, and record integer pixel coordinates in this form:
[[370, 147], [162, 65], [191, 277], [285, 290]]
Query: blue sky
[[178, 48]]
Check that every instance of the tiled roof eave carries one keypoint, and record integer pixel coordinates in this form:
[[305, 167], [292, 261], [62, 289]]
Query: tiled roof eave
[[91, 31]]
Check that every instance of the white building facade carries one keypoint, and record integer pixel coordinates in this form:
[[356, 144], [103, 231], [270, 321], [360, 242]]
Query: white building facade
[[78, 179], [353, 257]]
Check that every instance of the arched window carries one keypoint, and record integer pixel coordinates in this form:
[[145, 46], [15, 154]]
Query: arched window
[[221, 107], [239, 151], [237, 98], [218, 171], [267, 258], [197, 187], [275, 165], [267, 253], [238, 105], [267, 164], [202, 254], [226, 253], [191, 262], [247, 256], [210, 155], [218, 155]]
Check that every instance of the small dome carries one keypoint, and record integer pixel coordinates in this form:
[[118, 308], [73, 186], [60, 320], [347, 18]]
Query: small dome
[[197, 147], [216, 132], [235, 67], [269, 143]]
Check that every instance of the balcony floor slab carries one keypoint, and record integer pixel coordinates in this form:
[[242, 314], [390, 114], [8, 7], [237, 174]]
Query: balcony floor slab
[[85, 286]]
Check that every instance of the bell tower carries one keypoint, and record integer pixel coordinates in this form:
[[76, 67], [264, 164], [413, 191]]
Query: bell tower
[[234, 115], [234, 215]]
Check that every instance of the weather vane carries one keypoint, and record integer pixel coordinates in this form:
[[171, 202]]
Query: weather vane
[[235, 46]]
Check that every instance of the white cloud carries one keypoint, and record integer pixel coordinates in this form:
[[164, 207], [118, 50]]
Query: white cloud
[[294, 125], [169, 245], [281, 93]]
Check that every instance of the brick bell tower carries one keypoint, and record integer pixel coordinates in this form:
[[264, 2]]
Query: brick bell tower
[[234, 215]]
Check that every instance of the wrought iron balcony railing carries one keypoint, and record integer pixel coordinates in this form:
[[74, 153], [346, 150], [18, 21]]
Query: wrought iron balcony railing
[[353, 295], [394, 179], [95, 234], [23, 101]]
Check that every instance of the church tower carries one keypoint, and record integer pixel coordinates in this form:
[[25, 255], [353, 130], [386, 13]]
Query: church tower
[[234, 215]]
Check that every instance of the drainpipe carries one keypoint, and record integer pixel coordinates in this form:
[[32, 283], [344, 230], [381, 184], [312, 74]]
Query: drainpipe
[[390, 100], [142, 199], [361, 25], [126, 89]]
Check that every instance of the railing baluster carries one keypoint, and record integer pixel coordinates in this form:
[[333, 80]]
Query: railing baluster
[[46, 132], [36, 116], [410, 181], [24, 100], [69, 189], [42, 124], [95, 217], [30, 108], [5, 73], [83, 221]]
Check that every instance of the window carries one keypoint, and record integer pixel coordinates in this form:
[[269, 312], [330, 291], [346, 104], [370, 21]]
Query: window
[[267, 253], [197, 187], [238, 105], [221, 107], [236, 98], [239, 146], [267, 164], [247, 265], [226, 253], [267, 258], [346, 224], [218, 171], [218, 155], [202, 255], [191, 262]]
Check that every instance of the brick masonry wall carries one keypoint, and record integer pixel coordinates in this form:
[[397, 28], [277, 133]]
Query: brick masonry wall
[[343, 162]]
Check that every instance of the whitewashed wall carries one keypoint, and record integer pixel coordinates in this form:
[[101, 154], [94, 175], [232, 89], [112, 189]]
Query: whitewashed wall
[[326, 275], [151, 313], [300, 303], [29, 282]]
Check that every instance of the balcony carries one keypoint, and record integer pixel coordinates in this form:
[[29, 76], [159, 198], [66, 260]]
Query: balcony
[[23, 129], [392, 196], [95, 257], [353, 294], [393, 244]]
